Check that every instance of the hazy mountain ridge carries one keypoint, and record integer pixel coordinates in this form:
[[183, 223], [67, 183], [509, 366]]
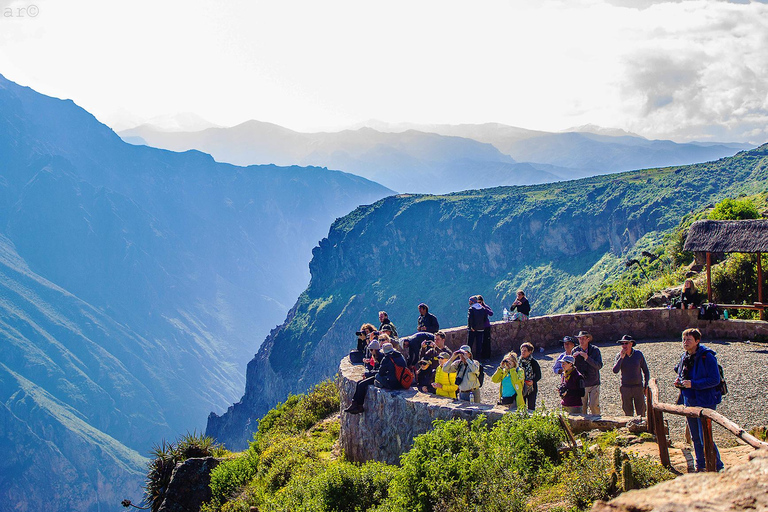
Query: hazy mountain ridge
[[558, 242], [136, 283], [438, 158]]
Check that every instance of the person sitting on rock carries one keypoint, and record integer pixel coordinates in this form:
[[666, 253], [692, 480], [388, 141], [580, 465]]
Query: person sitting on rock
[[510, 378], [385, 378], [372, 363], [427, 321], [568, 343], [445, 383], [431, 346], [425, 376], [523, 307], [386, 324], [467, 372], [633, 367], [363, 337], [395, 342], [571, 386]]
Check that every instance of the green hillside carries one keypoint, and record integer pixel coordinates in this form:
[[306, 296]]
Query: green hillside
[[559, 242]]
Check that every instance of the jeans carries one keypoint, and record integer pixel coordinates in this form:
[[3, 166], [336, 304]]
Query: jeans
[[697, 436], [485, 353], [530, 400], [464, 395]]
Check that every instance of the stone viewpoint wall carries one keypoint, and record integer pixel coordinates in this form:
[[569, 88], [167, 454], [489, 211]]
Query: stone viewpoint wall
[[392, 419]]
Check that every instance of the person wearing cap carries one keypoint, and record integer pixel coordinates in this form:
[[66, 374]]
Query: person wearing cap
[[427, 321], [432, 346], [477, 317], [467, 372], [445, 383], [384, 378], [633, 367], [571, 386], [568, 343], [510, 378], [425, 376], [589, 361], [386, 324]]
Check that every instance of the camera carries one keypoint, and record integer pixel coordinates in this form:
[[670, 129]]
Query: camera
[[458, 380], [359, 333]]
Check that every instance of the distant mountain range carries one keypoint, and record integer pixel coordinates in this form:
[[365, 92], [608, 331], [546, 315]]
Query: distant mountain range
[[559, 242], [438, 158], [134, 285]]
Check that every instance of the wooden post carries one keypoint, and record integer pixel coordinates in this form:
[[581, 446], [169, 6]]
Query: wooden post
[[649, 411], [709, 277], [661, 437], [760, 284], [709, 444]]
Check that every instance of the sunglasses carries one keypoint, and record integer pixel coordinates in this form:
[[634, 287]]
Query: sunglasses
[[626, 343]]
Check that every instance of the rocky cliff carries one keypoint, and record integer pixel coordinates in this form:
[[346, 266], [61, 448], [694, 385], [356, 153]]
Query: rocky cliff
[[559, 242]]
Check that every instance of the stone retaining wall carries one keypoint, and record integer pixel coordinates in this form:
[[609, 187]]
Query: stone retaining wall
[[392, 419], [654, 323]]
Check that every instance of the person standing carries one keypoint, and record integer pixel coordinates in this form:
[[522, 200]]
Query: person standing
[[485, 353], [510, 378], [589, 361], [568, 343], [571, 386], [467, 372], [532, 372], [477, 316], [427, 321], [698, 378], [633, 367]]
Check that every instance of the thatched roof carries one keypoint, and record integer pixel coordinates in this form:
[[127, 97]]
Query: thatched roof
[[728, 236]]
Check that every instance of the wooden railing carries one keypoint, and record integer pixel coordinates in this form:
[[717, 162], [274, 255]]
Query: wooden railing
[[655, 421]]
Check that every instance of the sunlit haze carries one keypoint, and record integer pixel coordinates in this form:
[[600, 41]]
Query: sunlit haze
[[692, 70]]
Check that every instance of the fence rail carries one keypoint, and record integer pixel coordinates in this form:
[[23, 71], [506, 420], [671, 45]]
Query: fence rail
[[655, 422]]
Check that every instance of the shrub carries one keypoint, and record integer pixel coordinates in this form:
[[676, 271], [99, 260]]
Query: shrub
[[734, 209], [230, 476], [648, 472]]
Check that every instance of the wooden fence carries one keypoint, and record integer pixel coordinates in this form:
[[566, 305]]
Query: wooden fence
[[656, 426]]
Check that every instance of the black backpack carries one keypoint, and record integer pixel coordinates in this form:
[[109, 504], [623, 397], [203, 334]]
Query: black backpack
[[481, 377], [709, 312], [723, 386]]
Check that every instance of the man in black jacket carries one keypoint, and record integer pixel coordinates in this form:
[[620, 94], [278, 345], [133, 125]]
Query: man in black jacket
[[427, 321]]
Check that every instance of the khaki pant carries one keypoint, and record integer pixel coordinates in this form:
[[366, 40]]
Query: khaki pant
[[632, 396], [591, 400]]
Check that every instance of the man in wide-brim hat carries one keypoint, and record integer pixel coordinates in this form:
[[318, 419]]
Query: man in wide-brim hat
[[633, 367], [589, 361]]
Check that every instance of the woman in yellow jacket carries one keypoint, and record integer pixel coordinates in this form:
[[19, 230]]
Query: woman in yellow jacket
[[510, 378], [445, 383]]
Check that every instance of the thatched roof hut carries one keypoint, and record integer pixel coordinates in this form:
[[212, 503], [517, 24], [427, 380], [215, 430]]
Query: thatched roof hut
[[728, 236]]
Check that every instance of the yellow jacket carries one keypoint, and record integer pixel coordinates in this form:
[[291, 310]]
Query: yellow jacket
[[511, 379], [448, 380]]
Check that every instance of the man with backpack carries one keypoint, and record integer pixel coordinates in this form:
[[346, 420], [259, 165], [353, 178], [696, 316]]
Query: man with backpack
[[393, 373], [467, 372], [477, 317], [699, 381]]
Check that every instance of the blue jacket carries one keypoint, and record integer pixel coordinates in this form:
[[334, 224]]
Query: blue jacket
[[705, 377], [386, 378]]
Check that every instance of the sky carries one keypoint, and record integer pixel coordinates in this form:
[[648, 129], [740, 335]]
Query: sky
[[679, 70]]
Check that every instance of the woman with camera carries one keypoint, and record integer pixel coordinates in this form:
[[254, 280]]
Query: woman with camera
[[445, 383], [510, 378], [571, 386], [467, 372]]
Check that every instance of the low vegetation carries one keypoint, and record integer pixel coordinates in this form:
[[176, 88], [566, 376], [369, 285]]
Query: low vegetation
[[734, 278], [516, 465]]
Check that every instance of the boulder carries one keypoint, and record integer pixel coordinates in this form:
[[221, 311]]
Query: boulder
[[190, 485]]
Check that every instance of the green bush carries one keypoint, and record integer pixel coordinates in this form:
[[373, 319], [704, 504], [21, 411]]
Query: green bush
[[230, 476], [648, 472], [734, 209]]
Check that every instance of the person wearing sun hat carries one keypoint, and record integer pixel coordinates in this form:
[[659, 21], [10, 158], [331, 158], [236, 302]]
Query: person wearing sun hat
[[568, 343], [589, 361], [633, 367]]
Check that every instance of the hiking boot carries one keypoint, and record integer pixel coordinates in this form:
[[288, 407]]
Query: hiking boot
[[354, 408]]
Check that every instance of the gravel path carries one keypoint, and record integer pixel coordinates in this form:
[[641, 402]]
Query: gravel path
[[745, 366]]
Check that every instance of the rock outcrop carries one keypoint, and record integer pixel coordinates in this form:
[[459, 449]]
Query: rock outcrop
[[189, 487], [740, 488]]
